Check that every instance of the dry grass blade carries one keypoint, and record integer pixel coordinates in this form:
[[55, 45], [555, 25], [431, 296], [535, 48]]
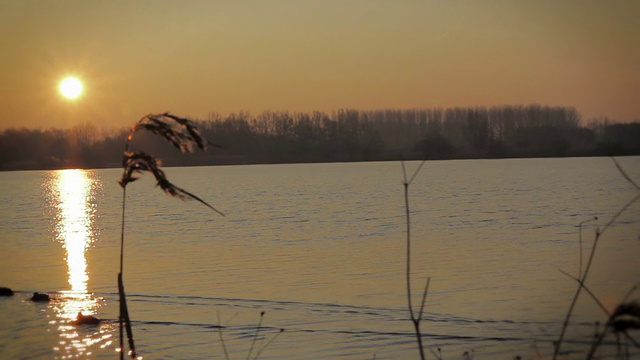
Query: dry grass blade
[[139, 162], [179, 132], [190, 128]]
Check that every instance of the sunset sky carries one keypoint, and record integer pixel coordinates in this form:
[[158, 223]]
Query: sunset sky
[[194, 58]]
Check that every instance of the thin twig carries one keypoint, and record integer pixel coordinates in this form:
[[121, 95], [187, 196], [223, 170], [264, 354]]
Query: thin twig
[[624, 174], [415, 320], [593, 296], [424, 298], [435, 354], [583, 279], [580, 242], [255, 336], [417, 171], [586, 273], [408, 269], [631, 291], [224, 347], [268, 343]]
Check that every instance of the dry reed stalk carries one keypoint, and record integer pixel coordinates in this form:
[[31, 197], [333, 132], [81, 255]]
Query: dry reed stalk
[[183, 135]]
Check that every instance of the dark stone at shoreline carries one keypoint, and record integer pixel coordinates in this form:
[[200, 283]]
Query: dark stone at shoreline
[[5, 291]]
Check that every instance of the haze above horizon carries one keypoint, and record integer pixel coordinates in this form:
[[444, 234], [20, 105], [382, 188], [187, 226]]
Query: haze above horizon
[[196, 58]]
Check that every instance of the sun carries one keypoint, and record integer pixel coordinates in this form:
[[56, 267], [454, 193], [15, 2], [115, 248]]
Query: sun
[[70, 87]]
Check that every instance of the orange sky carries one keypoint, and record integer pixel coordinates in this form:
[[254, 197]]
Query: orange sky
[[197, 57]]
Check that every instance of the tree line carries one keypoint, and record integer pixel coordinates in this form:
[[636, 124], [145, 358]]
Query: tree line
[[343, 135]]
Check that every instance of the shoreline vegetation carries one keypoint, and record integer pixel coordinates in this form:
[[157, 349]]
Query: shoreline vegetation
[[342, 136]]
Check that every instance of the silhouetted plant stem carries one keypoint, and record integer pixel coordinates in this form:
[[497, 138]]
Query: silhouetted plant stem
[[593, 296], [599, 233], [255, 336], [120, 315], [580, 243], [124, 197], [224, 346], [183, 135], [583, 279], [124, 311], [253, 342], [624, 174], [266, 345], [415, 320]]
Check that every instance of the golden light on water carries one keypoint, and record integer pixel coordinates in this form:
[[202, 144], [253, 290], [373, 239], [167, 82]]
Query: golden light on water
[[72, 196], [74, 225]]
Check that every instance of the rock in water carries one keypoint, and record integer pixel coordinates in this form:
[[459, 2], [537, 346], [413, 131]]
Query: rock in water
[[85, 320], [38, 297]]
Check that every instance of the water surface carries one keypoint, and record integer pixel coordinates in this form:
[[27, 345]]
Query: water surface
[[321, 249]]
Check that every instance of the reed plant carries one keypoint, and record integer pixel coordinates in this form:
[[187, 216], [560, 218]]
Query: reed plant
[[182, 134]]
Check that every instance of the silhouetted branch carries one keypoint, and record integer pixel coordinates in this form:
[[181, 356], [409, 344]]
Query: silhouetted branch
[[583, 279], [415, 320], [593, 296]]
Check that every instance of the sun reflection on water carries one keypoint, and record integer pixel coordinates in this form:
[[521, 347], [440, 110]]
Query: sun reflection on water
[[72, 196]]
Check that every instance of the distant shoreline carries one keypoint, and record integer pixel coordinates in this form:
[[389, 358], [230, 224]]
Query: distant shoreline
[[503, 132]]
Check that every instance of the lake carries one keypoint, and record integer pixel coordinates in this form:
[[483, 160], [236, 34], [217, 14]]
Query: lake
[[320, 248]]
